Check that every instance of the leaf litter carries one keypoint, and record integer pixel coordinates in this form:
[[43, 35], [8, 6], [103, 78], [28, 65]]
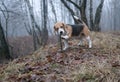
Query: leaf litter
[[76, 64]]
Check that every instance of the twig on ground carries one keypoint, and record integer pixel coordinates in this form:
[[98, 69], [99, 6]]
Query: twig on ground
[[60, 42]]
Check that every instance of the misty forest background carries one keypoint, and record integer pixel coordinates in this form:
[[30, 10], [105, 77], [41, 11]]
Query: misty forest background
[[26, 25]]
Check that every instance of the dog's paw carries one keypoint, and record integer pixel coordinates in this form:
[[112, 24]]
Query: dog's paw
[[64, 37], [60, 50], [65, 48], [90, 47], [80, 44]]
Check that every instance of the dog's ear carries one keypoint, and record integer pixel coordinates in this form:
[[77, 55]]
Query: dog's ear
[[55, 30], [65, 27], [63, 24]]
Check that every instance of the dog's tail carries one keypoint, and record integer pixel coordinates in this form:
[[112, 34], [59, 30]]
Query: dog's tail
[[77, 19]]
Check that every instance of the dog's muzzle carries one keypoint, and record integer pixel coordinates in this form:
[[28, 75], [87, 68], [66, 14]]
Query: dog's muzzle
[[61, 31]]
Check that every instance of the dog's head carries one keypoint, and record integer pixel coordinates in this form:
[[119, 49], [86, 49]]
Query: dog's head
[[59, 28]]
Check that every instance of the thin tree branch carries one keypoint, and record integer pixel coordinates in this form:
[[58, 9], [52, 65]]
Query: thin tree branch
[[9, 11], [71, 11], [53, 10], [77, 6], [65, 4]]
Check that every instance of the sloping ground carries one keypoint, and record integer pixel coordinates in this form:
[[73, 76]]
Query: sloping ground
[[77, 64]]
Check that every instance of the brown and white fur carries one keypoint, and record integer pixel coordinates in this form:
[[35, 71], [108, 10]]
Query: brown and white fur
[[67, 31]]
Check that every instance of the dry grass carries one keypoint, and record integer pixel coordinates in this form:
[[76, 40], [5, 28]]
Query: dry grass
[[21, 46], [106, 40], [77, 64]]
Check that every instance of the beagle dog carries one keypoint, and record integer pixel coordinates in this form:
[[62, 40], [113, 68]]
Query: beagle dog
[[67, 31]]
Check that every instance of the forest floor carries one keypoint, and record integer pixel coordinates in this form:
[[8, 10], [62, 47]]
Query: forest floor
[[77, 64]]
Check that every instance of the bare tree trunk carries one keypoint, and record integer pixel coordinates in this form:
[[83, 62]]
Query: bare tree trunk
[[82, 11], [91, 15], [94, 24], [71, 11], [98, 16], [114, 14], [81, 7], [44, 29], [6, 17], [36, 34], [40, 36], [30, 9], [4, 50]]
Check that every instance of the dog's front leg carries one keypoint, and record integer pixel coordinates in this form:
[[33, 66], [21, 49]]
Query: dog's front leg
[[65, 44]]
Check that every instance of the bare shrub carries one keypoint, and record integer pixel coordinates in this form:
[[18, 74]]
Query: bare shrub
[[21, 46]]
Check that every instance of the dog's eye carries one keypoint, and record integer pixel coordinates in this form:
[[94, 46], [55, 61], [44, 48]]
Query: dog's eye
[[61, 27]]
